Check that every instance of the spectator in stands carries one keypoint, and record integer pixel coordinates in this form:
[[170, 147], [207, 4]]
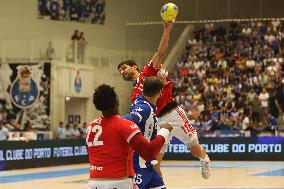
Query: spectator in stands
[[75, 44], [17, 127], [275, 23], [28, 126], [98, 15], [246, 31], [236, 118], [50, 52], [263, 98], [69, 131], [273, 104], [82, 38], [81, 47], [4, 133], [28, 133], [250, 95], [255, 110], [3, 115], [272, 123], [225, 121], [246, 124], [61, 131], [280, 94], [74, 15], [280, 103], [230, 71], [207, 124], [54, 10], [80, 11], [42, 8], [76, 131], [75, 36], [84, 129], [215, 117]]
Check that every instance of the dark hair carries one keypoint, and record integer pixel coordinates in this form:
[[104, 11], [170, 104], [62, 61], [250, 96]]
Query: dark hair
[[127, 62], [152, 86], [105, 98]]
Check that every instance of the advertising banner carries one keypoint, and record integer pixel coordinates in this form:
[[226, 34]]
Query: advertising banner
[[20, 154], [223, 148]]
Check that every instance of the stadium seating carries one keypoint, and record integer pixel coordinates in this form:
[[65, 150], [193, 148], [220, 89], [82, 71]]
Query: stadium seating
[[231, 73]]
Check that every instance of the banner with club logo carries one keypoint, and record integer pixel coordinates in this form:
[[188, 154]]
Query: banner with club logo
[[25, 95]]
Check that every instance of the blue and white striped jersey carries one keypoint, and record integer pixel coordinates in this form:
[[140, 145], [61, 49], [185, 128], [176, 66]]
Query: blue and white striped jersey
[[144, 115]]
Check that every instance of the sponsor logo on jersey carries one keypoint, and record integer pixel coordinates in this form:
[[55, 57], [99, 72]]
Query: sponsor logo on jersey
[[134, 126], [96, 168], [138, 109]]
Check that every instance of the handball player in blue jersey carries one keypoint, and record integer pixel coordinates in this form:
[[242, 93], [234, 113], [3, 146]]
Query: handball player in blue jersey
[[143, 113]]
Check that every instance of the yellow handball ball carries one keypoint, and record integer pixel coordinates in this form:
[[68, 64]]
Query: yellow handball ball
[[169, 12]]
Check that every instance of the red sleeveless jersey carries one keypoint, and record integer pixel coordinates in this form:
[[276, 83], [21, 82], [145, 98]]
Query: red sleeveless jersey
[[166, 95], [110, 154]]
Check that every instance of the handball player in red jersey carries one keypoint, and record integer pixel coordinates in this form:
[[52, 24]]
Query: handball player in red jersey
[[168, 110], [110, 143]]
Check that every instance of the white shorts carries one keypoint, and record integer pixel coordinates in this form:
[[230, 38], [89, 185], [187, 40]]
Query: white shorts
[[182, 129], [112, 184]]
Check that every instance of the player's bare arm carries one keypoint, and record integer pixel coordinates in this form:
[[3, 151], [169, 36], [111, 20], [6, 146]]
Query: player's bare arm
[[159, 157], [162, 50], [157, 166]]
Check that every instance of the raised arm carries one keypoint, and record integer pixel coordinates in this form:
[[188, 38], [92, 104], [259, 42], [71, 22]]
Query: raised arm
[[159, 56]]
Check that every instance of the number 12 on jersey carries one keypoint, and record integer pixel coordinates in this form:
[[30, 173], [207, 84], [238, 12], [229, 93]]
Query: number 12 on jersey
[[98, 130]]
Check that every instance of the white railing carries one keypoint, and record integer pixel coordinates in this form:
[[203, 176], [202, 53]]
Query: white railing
[[30, 50], [226, 20]]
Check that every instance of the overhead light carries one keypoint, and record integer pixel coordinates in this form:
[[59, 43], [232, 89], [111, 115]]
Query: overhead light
[[67, 98]]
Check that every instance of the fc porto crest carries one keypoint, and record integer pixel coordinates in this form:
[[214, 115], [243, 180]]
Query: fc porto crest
[[24, 91]]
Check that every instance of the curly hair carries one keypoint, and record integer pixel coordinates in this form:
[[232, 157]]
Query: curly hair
[[104, 98]]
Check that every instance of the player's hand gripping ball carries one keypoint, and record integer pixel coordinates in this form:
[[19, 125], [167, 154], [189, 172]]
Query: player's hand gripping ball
[[169, 12]]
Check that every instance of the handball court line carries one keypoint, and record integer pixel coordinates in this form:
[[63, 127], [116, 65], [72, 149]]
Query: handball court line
[[17, 176]]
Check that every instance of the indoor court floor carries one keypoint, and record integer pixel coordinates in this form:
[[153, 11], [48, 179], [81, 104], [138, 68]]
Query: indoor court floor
[[177, 175]]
